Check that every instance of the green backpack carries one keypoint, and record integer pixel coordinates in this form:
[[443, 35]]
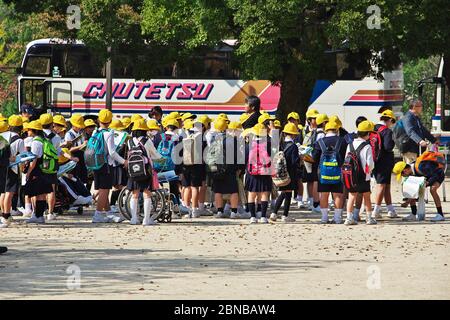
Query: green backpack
[[49, 158]]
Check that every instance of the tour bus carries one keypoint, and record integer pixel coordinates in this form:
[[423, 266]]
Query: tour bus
[[353, 93], [64, 77]]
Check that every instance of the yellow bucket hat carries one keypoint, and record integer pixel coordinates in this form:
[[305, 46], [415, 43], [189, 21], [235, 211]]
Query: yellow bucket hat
[[35, 125], [204, 120], [116, 125], [336, 120], [312, 113], [126, 122], [140, 125], [188, 124], [59, 120], [244, 117], [174, 115], [188, 115], [46, 119], [90, 123], [321, 118], [398, 169], [77, 120], [105, 116], [291, 128], [61, 158], [264, 117], [220, 124], [15, 121], [332, 125], [152, 124], [277, 124], [388, 113], [366, 126], [136, 117], [172, 122], [293, 115]]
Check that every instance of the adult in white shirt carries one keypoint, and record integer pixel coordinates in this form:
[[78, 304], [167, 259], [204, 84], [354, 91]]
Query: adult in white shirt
[[364, 152]]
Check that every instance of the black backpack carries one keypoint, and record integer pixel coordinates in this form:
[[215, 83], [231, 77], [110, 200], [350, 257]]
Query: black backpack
[[352, 170], [138, 162]]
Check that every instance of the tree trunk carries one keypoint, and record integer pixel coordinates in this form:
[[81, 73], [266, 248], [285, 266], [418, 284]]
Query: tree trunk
[[295, 94]]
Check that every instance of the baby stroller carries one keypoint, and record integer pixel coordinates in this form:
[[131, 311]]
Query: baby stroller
[[70, 191]]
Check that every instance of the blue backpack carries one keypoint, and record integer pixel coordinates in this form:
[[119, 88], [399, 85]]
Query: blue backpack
[[95, 155], [329, 169], [165, 148]]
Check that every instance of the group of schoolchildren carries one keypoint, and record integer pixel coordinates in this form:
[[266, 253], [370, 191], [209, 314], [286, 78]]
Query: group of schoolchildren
[[249, 168]]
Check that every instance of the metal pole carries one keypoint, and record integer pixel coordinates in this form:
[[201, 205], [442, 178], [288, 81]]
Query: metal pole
[[109, 80]]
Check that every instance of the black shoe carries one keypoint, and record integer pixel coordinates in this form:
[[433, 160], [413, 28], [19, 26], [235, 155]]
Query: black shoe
[[3, 250]]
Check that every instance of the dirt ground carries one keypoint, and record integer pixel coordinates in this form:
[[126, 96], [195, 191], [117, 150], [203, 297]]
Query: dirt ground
[[208, 258]]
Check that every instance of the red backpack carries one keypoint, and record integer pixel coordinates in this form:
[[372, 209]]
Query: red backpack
[[375, 142], [259, 162], [352, 170]]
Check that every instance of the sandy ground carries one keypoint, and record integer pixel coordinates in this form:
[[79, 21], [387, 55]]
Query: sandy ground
[[211, 258]]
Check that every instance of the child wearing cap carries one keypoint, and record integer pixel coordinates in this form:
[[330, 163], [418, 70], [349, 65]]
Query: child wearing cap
[[334, 144], [76, 142], [363, 151], [384, 164], [11, 178], [37, 184], [292, 157], [103, 177], [140, 139], [434, 173], [258, 179]]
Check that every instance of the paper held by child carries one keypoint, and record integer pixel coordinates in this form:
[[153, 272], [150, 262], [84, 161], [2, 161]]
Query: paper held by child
[[412, 186]]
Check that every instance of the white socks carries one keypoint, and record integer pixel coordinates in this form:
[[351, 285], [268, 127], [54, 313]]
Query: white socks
[[147, 212], [337, 215], [376, 209], [390, 207], [134, 211], [324, 214]]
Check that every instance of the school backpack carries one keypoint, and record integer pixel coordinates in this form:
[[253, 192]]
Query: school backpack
[[432, 156], [95, 154], [5, 152], [281, 177], [215, 158], [329, 170], [49, 163], [165, 149], [352, 170], [375, 142], [400, 136], [259, 162], [138, 161], [190, 148]]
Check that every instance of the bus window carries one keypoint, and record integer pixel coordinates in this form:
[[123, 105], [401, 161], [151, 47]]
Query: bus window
[[32, 92], [341, 65], [37, 66]]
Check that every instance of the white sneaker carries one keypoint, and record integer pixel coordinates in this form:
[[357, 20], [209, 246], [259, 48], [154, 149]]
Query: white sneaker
[[235, 215], [184, 209], [16, 213], [219, 215], [258, 215], [438, 218], [34, 219], [253, 220], [409, 217], [350, 222], [2, 226], [336, 221], [371, 221], [114, 217], [149, 222], [134, 222], [287, 219], [392, 214], [196, 213], [316, 210], [100, 218], [273, 217], [50, 217], [323, 221], [263, 220], [378, 216], [6, 222]]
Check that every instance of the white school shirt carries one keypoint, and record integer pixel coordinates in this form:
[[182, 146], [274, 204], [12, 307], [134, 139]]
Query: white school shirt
[[37, 148], [56, 140], [365, 156], [71, 135]]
